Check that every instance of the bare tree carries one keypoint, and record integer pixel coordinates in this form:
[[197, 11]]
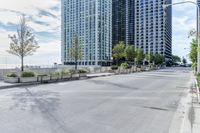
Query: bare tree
[[23, 44]]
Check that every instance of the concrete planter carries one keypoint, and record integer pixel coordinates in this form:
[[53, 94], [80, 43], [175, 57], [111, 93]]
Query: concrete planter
[[125, 71], [116, 71], [55, 77], [138, 69], [143, 68], [28, 79], [132, 69], [75, 76], [44, 79], [11, 79], [66, 76], [83, 74]]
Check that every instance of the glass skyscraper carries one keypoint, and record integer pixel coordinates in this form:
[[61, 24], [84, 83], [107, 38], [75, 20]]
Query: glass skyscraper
[[123, 21], [145, 24], [153, 27], [91, 20]]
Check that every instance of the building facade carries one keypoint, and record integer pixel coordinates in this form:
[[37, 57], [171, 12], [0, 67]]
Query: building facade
[[198, 3], [123, 21], [91, 20], [153, 27]]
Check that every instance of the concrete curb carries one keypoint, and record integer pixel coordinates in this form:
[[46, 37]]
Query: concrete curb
[[18, 85]]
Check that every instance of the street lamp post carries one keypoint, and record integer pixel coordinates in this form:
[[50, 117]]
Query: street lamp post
[[197, 36]]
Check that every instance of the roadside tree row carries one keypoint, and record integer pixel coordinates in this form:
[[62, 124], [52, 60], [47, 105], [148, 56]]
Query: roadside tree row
[[131, 55]]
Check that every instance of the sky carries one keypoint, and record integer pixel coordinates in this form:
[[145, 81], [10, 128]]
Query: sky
[[44, 17]]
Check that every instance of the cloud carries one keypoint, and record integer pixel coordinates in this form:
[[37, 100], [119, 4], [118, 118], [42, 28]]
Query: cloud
[[184, 20], [44, 17]]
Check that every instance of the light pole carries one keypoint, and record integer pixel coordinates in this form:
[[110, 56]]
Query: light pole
[[197, 36]]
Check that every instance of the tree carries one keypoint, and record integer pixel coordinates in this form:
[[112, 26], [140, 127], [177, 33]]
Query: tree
[[23, 44], [118, 51], [159, 59], [130, 53], [193, 51], [76, 51], [193, 33], [184, 61], [150, 57], [176, 59], [140, 56]]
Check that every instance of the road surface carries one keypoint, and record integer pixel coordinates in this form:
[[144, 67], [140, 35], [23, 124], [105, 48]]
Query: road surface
[[137, 103]]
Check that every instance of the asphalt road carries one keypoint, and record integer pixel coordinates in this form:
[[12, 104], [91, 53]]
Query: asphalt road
[[137, 103]]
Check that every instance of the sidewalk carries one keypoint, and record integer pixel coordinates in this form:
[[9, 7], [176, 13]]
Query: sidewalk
[[191, 123], [187, 116], [4, 85], [196, 110]]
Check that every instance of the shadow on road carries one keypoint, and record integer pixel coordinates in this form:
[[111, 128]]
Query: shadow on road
[[100, 82], [40, 100]]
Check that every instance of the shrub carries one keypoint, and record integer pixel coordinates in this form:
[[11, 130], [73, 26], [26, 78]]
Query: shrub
[[65, 72], [13, 75], [56, 73], [82, 71], [125, 66], [114, 67], [72, 71], [28, 74], [194, 66]]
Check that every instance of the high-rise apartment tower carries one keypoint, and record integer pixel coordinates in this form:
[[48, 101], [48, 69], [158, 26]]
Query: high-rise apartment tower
[[91, 21]]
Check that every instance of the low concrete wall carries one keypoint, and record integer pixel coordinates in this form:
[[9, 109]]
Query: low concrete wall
[[4, 72]]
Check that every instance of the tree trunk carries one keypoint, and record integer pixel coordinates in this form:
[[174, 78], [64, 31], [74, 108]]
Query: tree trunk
[[76, 67], [22, 64]]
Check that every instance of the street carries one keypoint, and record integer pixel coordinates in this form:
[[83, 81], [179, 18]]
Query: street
[[136, 103]]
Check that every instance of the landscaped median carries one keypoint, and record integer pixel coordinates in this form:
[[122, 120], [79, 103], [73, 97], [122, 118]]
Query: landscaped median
[[60, 75], [125, 68]]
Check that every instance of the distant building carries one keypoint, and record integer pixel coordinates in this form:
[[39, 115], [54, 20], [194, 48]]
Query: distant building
[[145, 24], [91, 20], [198, 2], [123, 21], [153, 27]]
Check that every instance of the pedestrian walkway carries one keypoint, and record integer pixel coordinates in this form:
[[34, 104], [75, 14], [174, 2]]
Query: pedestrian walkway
[[196, 111], [191, 122]]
